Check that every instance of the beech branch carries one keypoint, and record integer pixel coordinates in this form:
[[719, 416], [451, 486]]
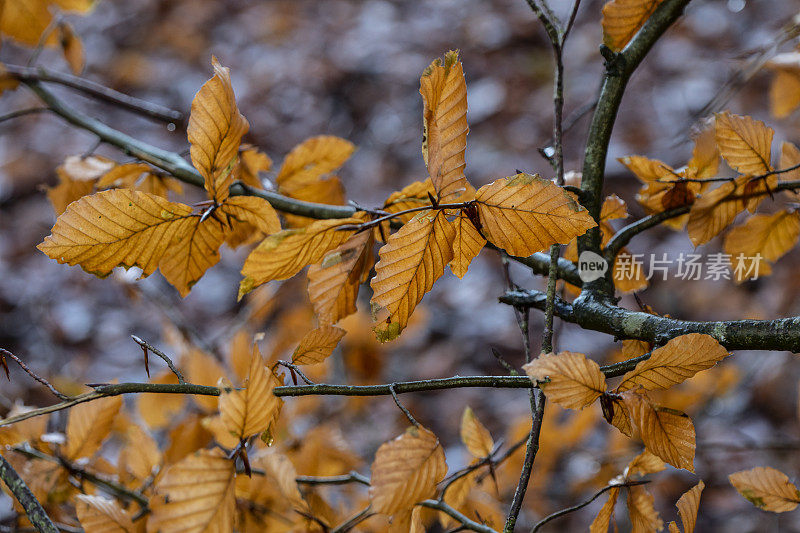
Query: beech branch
[[94, 90], [174, 164], [619, 68], [33, 509], [103, 390], [593, 313]]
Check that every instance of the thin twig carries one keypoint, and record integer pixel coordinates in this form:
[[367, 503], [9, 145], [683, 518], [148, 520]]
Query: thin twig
[[31, 373], [532, 448], [352, 477], [452, 513], [147, 346], [23, 113], [400, 406], [354, 520], [106, 390], [574, 508], [95, 479], [296, 369]]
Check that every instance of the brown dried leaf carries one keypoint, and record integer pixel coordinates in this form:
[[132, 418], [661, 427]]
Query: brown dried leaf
[[406, 470], [88, 426], [71, 47], [769, 236], [602, 520], [410, 197], [623, 18], [474, 435], [101, 515], [410, 262], [745, 144], [687, 505], [766, 488], [196, 495], [444, 115], [252, 410], [311, 159], [467, 244], [194, 251], [254, 211], [678, 360], [317, 345], [714, 211], [525, 214], [333, 284], [251, 162], [643, 515], [643, 464], [203, 369], [215, 131], [284, 254], [159, 410], [667, 433], [570, 379]]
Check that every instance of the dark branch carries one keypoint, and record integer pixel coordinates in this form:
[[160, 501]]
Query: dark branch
[[33, 509], [96, 91], [594, 314], [619, 68]]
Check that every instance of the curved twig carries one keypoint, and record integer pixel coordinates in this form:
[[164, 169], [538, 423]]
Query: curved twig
[[96, 91]]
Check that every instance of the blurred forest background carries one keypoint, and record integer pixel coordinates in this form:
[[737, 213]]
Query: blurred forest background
[[351, 68]]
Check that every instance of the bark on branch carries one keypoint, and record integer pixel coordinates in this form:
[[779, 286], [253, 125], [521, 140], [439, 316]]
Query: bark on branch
[[593, 313]]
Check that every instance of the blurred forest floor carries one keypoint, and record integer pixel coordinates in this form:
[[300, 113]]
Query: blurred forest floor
[[350, 68]]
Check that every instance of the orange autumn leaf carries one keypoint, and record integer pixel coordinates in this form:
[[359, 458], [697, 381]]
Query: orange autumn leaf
[[623, 18], [784, 91], [195, 495], [570, 379], [767, 489], [675, 362], [121, 227], [767, 236], [688, 504], [317, 345], [159, 410], [88, 426], [714, 211], [312, 159], [642, 512], [71, 47], [745, 144], [194, 251], [406, 470], [252, 410], [284, 254], [474, 435], [467, 244], [203, 369], [410, 197], [524, 214], [251, 162], [444, 114], [101, 515], [254, 211], [410, 262], [603, 519], [215, 132], [333, 283], [667, 433]]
